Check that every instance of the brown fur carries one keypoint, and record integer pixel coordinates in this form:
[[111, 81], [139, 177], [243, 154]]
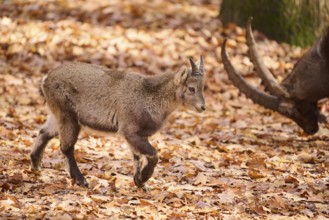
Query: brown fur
[[80, 94], [309, 79]]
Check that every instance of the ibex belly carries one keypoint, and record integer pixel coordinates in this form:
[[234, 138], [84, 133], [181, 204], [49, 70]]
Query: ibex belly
[[99, 118]]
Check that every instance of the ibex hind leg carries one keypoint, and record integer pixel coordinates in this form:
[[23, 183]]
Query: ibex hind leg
[[48, 131], [145, 158], [68, 135]]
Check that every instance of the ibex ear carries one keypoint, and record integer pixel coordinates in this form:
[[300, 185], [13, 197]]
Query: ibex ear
[[323, 45], [181, 76]]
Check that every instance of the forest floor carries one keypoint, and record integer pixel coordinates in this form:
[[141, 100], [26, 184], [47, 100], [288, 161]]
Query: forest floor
[[236, 160]]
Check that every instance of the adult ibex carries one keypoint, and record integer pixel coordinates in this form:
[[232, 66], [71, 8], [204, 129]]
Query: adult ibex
[[297, 96], [80, 94]]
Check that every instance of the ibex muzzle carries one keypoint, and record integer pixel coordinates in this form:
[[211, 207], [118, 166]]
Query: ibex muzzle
[[297, 96], [80, 94]]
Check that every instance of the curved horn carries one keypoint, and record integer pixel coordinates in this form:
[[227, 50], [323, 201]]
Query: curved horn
[[201, 67], [258, 96], [193, 65], [267, 78]]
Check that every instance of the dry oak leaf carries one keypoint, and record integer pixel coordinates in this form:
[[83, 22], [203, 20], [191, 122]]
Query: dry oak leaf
[[255, 174]]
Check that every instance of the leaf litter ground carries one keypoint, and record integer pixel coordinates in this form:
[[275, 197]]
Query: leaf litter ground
[[235, 161]]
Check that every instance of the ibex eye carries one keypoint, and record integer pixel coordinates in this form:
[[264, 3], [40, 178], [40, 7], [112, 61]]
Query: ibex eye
[[191, 89]]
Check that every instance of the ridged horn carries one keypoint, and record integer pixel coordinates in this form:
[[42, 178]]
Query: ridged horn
[[201, 66], [258, 96], [267, 78], [194, 66]]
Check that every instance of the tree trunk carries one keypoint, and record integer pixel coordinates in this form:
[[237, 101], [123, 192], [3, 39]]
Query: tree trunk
[[297, 22]]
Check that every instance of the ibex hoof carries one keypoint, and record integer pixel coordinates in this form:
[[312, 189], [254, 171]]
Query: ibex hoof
[[81, 182], [35, 163], [138, 182], [146, 189], [35, 167]]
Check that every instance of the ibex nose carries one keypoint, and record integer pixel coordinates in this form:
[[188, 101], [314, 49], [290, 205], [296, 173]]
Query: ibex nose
[[311, 130], [200, 108]]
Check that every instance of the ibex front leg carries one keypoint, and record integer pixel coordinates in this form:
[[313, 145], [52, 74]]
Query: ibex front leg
[[145, 158]]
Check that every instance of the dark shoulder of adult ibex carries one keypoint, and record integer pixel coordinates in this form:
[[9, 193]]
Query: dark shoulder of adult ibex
[[310, 77], [297, 96], [80, 94]]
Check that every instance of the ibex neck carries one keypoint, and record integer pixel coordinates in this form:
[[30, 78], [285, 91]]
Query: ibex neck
[[163, 88]]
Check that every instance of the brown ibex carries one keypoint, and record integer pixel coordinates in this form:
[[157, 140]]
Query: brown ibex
[[297, 96], [81, 94]]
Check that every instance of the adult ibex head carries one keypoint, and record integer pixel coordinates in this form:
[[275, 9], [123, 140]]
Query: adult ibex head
[[297, 96]]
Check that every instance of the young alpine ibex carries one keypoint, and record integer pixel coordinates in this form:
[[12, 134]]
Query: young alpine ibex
[[297, 96], [80, 94]]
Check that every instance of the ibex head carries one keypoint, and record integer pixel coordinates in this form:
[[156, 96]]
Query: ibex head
[[285, 98], [191, 85]]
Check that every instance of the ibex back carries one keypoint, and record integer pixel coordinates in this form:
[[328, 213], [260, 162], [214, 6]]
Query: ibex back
[[297, 96], [80, 94]]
